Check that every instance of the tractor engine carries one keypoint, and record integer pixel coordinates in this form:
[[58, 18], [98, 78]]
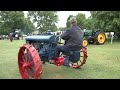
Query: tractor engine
[[44, 44]]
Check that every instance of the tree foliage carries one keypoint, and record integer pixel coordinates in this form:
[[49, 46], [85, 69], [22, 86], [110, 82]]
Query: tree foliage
[[103, 20], [107, 20], [29, 27], [81, 20], [13, 20], [44, 20]]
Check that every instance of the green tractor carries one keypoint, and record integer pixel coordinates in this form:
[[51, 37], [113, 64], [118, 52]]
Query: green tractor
[[91, 37]]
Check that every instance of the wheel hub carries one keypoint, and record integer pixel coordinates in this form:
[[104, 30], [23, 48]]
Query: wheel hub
[[101, 38], [26, 65], [85, 42]]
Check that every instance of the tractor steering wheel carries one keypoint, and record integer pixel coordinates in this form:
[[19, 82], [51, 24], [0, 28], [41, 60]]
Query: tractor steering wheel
[[58, 39]]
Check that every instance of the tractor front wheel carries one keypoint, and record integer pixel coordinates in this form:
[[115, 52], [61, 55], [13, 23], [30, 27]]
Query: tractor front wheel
[[85, 42], [29, 62]]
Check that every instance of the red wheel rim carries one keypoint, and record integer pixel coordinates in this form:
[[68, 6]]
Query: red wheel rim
[[84, 57], [29, 62], [82, 60]]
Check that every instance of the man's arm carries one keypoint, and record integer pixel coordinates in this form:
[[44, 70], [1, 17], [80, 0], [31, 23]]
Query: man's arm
[[65, 35]]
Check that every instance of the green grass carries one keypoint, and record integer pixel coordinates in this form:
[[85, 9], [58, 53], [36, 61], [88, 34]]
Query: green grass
[[103, 63]]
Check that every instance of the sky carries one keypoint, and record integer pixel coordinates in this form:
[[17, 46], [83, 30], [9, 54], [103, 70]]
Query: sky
[[63, 15]]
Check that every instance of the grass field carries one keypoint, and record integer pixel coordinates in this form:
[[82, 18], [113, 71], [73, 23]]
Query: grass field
[[103, 63]]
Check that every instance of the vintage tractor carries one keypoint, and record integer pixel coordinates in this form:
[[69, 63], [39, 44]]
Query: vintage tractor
[[91, 37], [40, 49]]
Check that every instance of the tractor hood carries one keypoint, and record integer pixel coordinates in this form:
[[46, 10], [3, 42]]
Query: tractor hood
[[42, 38]]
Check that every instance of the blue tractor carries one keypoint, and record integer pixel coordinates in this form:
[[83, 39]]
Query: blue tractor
[[39, 49]]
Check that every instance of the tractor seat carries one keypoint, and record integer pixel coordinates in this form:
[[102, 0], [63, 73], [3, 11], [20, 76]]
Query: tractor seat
[[71, 52], [73, 56]]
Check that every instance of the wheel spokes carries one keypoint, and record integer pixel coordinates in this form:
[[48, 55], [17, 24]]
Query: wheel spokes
[[27, 62]]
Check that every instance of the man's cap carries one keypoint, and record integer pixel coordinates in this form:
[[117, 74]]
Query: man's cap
[[72, 19]]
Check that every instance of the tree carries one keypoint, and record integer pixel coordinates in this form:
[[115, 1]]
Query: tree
[[12, 20], [29, 27], [107, 20], [45, 20], [88, 24], [81, 20], [4, 30]]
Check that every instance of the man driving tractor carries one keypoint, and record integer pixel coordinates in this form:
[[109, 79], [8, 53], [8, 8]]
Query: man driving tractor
[[73, 40], [45, 48]]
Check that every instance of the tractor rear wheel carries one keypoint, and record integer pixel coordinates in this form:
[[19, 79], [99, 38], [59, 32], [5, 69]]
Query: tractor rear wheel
[[83, 58], [85, 42], [29, 62], [100, 37]]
